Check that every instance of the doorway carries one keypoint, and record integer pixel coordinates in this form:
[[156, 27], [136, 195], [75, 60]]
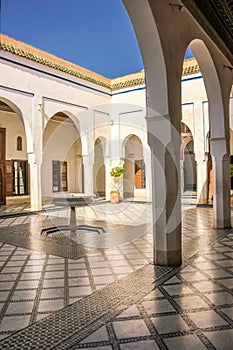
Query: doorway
[[20, 178]]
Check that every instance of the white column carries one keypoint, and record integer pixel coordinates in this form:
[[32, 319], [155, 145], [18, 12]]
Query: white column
[[35, 182], [88, 175], [147, 160], [108, 180], [164, 141], [221, 196], [202, 181], [182, 176], [35, 154], [79, 175]]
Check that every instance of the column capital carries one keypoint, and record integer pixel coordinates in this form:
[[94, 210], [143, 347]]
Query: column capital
[[218, 146]]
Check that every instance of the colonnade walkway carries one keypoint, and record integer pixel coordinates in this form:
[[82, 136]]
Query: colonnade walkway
[[86, 290]]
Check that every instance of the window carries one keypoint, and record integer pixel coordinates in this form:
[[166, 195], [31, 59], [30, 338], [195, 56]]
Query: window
[[59, 173], [19, 143], [20, 177]]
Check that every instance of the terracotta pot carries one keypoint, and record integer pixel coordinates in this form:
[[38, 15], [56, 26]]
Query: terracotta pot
[[114, 197]]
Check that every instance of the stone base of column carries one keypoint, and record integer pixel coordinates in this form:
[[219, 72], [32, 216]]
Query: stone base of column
[[222, 223], [168, 258], [35, 207]]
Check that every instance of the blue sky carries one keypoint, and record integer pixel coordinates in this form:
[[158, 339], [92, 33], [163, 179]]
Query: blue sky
[[96, 34]]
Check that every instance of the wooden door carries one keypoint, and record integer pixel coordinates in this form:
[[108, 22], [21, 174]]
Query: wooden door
[[138, 178], [63, 176], [9, 177]]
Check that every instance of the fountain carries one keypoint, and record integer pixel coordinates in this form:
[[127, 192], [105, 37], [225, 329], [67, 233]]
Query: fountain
[[73, 200]]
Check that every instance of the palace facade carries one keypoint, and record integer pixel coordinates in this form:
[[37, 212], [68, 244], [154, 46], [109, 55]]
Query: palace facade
[[63, 128]]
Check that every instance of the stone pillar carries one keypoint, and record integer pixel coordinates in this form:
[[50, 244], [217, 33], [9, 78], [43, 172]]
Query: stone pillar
[[87, 175], [147, 161], [221, 196], [202, 181], [148, 180], [182, 176], [108, 180], [35, 153], [164, 141], [35, 182], [79, 175]]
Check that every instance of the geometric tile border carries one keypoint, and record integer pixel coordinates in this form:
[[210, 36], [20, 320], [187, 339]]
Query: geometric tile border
[[185, 312], [86, 315], [45, 245]]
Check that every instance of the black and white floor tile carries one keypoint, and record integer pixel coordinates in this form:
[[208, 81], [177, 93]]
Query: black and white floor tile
[[54, 295]]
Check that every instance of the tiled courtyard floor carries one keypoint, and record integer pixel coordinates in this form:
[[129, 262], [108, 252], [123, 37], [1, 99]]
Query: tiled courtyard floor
[[103, 292]]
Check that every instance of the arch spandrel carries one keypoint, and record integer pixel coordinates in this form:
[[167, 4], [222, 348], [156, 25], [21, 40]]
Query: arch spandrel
[[22, 116], [217, 122], [152, 55]]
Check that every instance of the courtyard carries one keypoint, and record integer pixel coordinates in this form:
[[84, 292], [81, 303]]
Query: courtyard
[[102, 291]]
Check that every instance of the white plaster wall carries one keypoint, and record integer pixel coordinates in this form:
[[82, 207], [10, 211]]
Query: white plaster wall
[[40, 95], [128, 115], [95, 114], [37, 96], [134, 96], [47, 85]]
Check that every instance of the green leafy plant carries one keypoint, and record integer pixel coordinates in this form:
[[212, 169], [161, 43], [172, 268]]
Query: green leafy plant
[[117, 171]]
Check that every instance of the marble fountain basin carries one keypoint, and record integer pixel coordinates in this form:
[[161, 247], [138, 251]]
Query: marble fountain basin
[[73, 200]]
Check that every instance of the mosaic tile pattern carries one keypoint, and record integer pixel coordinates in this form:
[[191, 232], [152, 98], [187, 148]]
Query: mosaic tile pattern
[[51, 297], [62, 281], [193, 309]]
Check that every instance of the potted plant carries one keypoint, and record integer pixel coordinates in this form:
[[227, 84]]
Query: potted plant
[[115, 193]]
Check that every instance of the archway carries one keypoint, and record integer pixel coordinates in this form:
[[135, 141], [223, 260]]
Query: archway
[[164, 21], [218, 103], [210, 178], [134, 168], [62, 156], [188, 162], [163, 97], [13, 159], [99, 175], [190, 170]]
